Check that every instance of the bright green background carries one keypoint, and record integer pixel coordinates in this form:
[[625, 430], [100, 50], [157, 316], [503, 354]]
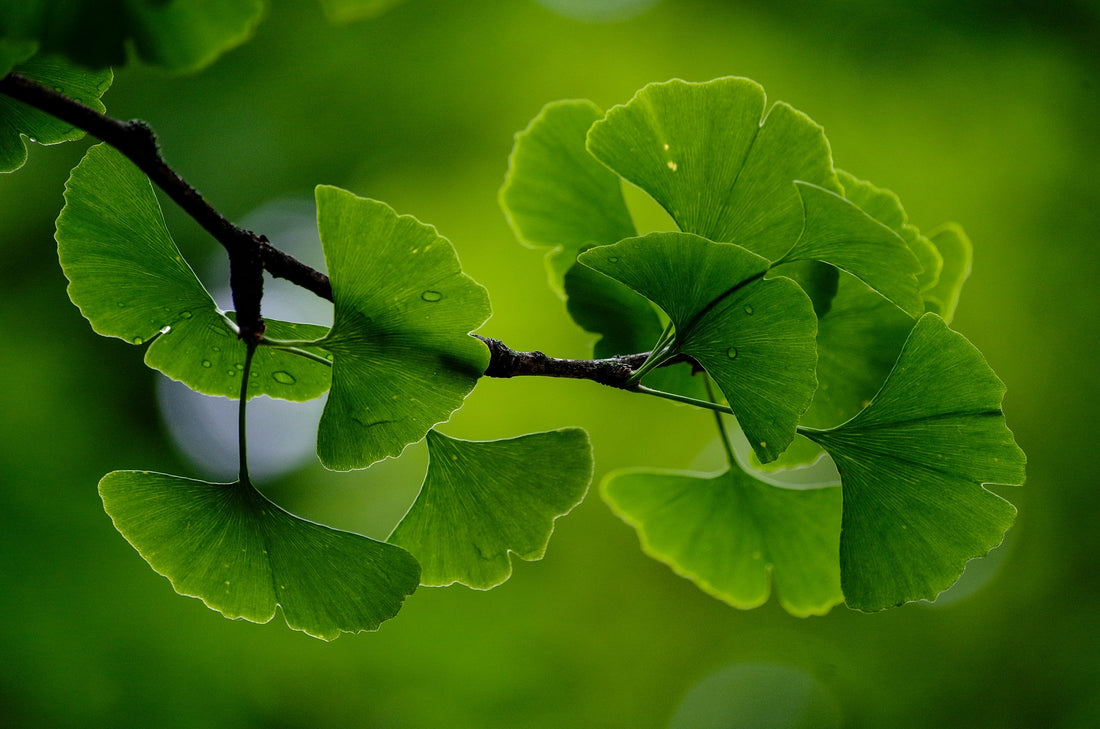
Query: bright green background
[[970, 111]]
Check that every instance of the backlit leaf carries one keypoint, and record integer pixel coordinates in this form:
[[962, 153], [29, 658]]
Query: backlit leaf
[[755, 336], [721, 168], [483, 501], [913, 465], [243, 556], [734, 535], [130, 281], [403, 359], [17, 120]]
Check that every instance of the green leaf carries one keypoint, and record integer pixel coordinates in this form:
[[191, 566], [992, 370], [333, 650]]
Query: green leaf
[[403, 359], [130, 281], [885, 207], [839, 233], [181, 35], [755, 336], [483, 501], [559, 196], [957, 253], [912, 465], [733, 535], [17, 120], [242, 555], [346, 11], [710, 157]]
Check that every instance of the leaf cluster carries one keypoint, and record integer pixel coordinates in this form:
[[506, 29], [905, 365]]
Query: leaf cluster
[[793, 301]]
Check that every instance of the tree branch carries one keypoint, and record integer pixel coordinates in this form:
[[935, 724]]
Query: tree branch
[[249, 253]]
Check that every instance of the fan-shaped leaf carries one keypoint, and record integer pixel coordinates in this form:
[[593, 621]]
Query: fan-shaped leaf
[[912, 466], [243, 555], [556, 194], [733, 535], [483, 501], [181, 35], [838, 232], [403, 359], [17, 120], [130, 281], [710, 157], [755, 336]]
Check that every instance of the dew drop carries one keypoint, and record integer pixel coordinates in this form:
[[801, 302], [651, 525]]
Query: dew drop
[[123, 304], [206, 363], [283, 378], [672, 165], [231, 372], [431, 296], [239, 366], [138, 340], [732, 352], [613, 259], [216, 349], [749, 310], [185, 315]]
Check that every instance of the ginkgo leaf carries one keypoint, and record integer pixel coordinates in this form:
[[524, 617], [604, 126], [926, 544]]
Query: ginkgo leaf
[[755, 336], [243, 555], [913, 464], [17, 120], [483, 501], [558, 196], [130, 281], [839, 233], [734, 535], [721, 168], [403, 359], [182, 35], [957, 253], [885, 207]]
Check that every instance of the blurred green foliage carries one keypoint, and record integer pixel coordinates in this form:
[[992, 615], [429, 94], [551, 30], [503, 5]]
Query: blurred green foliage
[[981, 112]]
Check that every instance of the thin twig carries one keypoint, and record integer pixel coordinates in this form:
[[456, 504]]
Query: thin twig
[[249, 251]]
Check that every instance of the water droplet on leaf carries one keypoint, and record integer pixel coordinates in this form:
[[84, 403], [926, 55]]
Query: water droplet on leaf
[[138, 340], [613, 259], [732, 352], [431, 296], [206, 363], [749, 310], [672, 165], [185, 315], [283, 378]]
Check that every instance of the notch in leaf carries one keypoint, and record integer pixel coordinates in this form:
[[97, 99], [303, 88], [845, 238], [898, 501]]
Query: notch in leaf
[[403, 357], [483, 501], [242, 555], [913, 464], [711, 157]]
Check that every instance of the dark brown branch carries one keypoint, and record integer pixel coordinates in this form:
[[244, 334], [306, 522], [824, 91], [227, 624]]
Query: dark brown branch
[[613, 372], [250, 253], [137, 142]]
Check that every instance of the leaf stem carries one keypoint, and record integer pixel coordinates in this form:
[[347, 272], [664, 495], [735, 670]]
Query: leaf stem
[[683, 399], [731, 459]]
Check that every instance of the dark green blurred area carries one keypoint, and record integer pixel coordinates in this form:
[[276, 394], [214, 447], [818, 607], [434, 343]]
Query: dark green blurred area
[[981, 112]]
